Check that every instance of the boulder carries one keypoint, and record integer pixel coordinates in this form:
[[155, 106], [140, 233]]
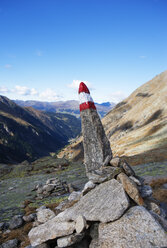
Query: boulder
[[131, 188], [70, 240], [10, 244], [80, 224], [50, 230], [88, 186], [146, 191], [16, 222], [115, 162], [75, 196], [44, 215], [30, 217], [136, 228], [107, 202]]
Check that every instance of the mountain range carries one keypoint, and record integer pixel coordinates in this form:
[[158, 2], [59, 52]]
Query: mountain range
[[137, 126], [26, 133], [70, 107]]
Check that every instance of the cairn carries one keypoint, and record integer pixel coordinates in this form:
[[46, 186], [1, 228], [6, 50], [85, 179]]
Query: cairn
[[97, 151], [52, 187]]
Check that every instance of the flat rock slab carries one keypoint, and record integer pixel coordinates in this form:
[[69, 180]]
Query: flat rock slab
[[137, 228], [50, 230], [107, 202]]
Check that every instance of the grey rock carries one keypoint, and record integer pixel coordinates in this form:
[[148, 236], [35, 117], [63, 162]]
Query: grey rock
[[94, 233], [88, 186], [97, 205], [30, 217], [95, 142], [16, 222], [44, 215], [80, 224], [40, 190], [10, 188], [136, 228], [44, 245], [62, 205], [72, 187], [160, 219], [48, 187], [115, 162], [152, 205], [70, 240], [75, 196], [52, 181], [128, 169], [103, 174], [146, 191], [10, 244], [137, 181], [50, 230]]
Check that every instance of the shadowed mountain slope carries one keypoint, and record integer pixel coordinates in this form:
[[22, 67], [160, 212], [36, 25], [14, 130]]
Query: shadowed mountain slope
[[137, 126], [26, 133]]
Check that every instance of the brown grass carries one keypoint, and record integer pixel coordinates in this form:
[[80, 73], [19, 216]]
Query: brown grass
[[21, 234], [160, 195], [156, 183]]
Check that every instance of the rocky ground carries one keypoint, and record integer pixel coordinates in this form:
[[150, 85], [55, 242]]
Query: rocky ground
[[21, 182]]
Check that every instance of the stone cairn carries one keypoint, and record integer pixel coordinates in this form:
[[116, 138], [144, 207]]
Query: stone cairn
[[52, 187], [115, 209]]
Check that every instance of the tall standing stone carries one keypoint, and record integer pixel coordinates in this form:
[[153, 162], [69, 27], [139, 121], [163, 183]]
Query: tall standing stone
[[97, 151]]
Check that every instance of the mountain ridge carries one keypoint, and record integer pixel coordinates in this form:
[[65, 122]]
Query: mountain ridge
[[27, 133], [70, 106]]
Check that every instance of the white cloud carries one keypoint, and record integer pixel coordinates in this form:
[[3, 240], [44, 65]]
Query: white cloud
[[4, 89], [8, 66], [142, 57], [75, 84], [49, 95], [117, 96], [39, 53], [24, 91]]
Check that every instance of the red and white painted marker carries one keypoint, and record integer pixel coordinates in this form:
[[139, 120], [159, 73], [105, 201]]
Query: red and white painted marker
[[86, 101]]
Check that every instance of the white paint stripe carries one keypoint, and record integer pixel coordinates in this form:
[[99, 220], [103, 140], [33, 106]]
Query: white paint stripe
[[85, 97]]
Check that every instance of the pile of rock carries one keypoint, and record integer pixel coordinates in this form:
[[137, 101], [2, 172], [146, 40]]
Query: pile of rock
[[115, 209], [52, 187]]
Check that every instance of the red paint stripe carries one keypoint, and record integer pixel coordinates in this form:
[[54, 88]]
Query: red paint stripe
[[83, 88], [87, 105]]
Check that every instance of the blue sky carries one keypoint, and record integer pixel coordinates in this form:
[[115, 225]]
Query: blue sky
[[48, 46]]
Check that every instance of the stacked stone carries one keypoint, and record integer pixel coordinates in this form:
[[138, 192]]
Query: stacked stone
[[53, 187], [97, 150], [99, 212]]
